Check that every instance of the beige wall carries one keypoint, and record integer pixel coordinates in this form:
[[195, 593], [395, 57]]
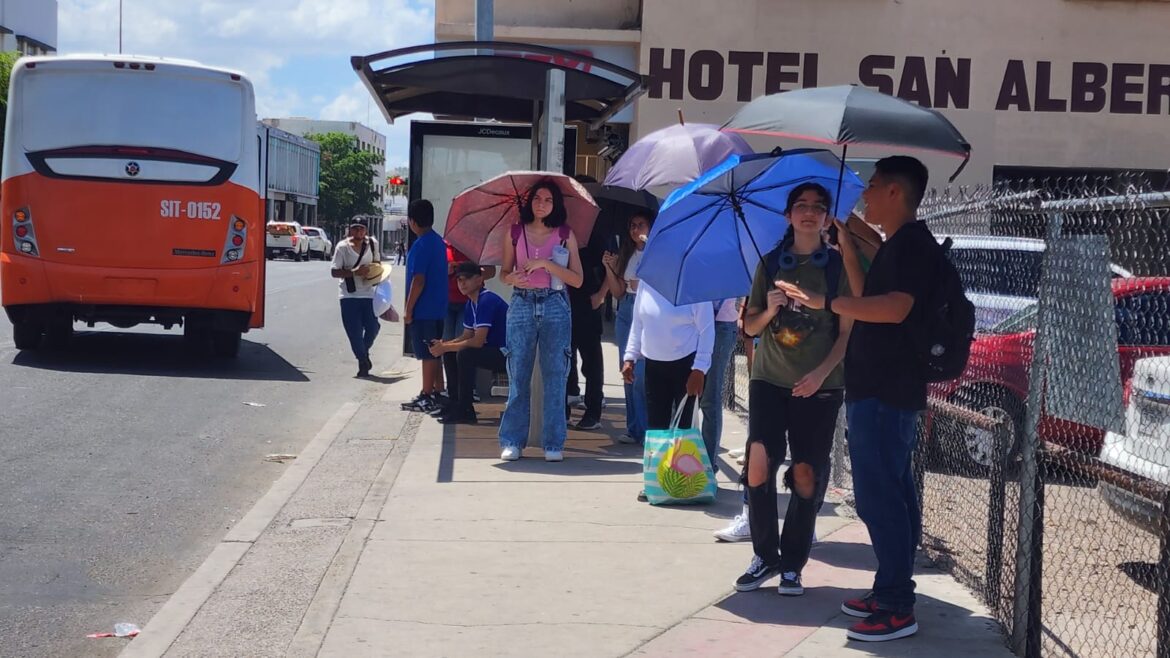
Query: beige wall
[[989, 33], [581, 14]]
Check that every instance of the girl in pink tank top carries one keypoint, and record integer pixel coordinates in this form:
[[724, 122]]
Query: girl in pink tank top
[[538, 319]]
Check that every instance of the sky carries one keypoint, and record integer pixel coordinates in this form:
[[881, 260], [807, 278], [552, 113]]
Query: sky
[[296, 52]]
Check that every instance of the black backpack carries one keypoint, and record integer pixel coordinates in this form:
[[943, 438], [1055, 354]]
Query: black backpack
[[945, 326]]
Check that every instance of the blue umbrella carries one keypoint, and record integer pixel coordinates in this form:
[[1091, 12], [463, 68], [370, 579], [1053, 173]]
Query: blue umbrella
[[711, 235]]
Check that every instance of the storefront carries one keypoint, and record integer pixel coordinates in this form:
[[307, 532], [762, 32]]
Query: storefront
[[1069, 85]]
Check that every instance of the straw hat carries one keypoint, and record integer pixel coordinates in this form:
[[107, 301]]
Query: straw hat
[[376, 274]]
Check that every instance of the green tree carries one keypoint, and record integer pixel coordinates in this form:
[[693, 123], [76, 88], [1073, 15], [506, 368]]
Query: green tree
[[7, 61], [347, 180]]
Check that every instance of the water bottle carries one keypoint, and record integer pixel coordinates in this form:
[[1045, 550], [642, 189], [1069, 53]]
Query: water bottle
[[560, 256]]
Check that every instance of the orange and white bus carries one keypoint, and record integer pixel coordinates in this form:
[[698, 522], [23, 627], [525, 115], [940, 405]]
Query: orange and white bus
[[131, 193]]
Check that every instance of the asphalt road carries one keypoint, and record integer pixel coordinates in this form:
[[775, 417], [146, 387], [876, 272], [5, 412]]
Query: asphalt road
[[124, 459]]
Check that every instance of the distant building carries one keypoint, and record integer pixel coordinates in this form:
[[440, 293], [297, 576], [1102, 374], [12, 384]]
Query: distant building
[[29, 26], [368, 139], [294, 177]]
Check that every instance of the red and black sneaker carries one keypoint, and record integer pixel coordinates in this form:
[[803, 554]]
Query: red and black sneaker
[[884, 625], [860, 607]]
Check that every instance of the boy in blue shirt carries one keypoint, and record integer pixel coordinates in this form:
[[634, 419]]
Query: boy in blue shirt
[[426, 300], [485, 322]]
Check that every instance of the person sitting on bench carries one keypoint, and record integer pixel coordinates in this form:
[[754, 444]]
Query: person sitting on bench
[[485, 322]]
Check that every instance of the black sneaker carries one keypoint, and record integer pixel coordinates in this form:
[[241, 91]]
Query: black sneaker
[[453, 417], [790, 584], [757, 574], [884, 625], [587, 423], [860, 607], [429, 405], [417, 404], [642, 497]]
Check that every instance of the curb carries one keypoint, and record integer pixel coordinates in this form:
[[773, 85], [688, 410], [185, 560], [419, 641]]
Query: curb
[[169, 622]]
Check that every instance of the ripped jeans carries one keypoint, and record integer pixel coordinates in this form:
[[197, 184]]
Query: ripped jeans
[[805, 426], [537, 319]]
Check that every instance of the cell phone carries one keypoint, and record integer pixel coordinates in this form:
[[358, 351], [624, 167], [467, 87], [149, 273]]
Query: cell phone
[[833, 237]]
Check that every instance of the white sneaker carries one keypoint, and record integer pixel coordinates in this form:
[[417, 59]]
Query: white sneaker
[[739, 530], [554, 456], [510, 454], [627, 439]]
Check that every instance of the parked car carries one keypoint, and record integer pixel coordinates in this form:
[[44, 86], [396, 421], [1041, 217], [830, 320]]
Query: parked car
[[286, 239], [319, 245], [995, 382], [1144, 448], [1001, 274]]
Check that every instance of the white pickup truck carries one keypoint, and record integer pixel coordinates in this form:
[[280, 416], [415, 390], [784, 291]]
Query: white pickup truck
[[286, 239]]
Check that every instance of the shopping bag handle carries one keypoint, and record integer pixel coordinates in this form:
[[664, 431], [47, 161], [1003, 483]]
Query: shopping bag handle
[[679, 411]]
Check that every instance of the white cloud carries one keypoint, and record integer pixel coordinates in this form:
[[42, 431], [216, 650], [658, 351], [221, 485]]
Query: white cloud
[[266, 39]]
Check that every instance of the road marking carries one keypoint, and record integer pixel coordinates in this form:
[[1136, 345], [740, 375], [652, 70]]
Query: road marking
[[170, 621]]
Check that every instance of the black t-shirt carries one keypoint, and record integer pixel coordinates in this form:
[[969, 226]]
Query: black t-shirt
[[593, 277], [881, 361]]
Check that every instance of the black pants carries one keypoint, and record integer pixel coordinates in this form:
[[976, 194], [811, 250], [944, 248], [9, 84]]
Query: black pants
[[586, 341], [666, 388], [469, 361], [804, 426]]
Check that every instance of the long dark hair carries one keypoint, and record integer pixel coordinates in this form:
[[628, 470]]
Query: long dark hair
[[557, 217], [628, 246], [793, 197]]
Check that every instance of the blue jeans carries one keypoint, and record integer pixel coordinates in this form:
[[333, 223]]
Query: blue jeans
[[537, 319], [636, 392], [881, 443], [361, 325], [711, 403]]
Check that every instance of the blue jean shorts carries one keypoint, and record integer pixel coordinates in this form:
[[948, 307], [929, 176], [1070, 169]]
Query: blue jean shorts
[[422, 332]]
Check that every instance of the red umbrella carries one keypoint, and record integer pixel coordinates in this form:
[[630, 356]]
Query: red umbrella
[[481, 216]]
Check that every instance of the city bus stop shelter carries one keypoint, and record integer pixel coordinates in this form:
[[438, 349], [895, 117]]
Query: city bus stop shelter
[[502, 81]]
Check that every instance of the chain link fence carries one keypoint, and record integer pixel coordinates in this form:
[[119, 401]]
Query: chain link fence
[[1044, 470]]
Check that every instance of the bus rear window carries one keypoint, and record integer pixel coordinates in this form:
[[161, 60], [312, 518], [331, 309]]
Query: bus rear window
[[67, 108]]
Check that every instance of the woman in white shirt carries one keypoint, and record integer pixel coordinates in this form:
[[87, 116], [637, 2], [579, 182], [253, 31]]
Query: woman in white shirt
[[676, 343], [622, 281]]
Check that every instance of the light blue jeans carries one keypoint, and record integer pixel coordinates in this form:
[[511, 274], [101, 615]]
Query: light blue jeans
[[712, 402], [537, 319], [636, 392]]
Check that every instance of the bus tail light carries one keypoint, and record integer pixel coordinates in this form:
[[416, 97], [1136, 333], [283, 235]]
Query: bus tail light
[[236, 242], [24, 233]]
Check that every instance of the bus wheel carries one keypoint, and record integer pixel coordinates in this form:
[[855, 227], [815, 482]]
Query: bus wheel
[[26, 335], [226, 343], [58, 333]]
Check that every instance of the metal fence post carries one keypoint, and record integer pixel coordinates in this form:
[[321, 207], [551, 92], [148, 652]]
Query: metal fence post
[[995, 530], [1163, 581], [1029, 563]]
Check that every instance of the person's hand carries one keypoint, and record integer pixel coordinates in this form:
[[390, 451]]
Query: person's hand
[[450, 268], [844, 238], [609, 259], [438, 349], [808, 385], [776, 301], [810, 299], [362, 271], [519, 280], [407, 317], [695, 382], [628, 372], [536, 264]]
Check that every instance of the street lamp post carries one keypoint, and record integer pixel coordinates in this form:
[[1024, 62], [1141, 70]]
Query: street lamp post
[[119, 27]]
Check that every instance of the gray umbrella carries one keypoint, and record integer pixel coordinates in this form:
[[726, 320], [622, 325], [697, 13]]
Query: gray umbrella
[[849, 114]]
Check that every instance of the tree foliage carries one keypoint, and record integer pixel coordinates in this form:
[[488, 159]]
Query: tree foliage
[[347, 180]]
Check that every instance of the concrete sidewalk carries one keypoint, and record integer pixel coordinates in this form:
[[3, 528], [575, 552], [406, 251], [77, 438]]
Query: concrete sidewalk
[[473, 556]]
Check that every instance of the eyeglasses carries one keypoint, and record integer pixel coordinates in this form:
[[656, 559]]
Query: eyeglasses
[[810, 208]]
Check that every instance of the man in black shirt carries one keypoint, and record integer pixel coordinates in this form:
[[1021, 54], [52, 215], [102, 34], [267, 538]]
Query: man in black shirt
[[587, 327], [885, 391]]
